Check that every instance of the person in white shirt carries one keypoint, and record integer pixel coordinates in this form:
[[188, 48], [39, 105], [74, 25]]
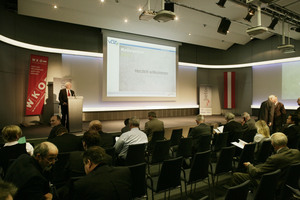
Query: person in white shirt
[[134, 136]]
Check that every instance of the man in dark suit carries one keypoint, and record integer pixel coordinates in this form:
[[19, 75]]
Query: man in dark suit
[[282, 159], [292, 131], [266, 111], [55, 122], [198, 132], [106, 139], [63, 102], [65, 141], [102, 181], [153, 125], [279, 116], [28, 173], [233, 128]]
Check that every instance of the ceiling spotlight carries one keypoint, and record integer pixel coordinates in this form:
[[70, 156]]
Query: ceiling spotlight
[[251, 12], [224, 26], [55, 6], [221, 3], [273, 23], [125, 20], [140, 9], [101, 1]]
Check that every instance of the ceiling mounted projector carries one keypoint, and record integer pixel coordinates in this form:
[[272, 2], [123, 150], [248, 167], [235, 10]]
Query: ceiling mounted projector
[[253, 31], [147, 15], [164, 16]]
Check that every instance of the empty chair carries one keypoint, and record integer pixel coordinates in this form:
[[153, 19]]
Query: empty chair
[[239, 192], [264, 152], [169, 177], [159, 154], [135, 154], [220, 141], [157, 135], [184, 148], [266, 189], [202, 143], [138, 177], [175, 137], [198, 170], [247, 155]]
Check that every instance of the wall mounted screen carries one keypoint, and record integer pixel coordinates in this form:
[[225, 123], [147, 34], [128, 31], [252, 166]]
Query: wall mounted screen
[[140, 69]]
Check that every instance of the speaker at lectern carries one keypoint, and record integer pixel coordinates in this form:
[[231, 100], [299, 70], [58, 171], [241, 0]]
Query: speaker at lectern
[[75, 113]]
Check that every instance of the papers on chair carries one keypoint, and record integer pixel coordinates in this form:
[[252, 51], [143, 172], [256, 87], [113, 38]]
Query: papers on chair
[[219, 129], [239, 144]]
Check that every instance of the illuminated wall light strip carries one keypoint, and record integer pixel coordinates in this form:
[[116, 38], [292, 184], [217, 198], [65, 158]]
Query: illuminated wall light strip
[[48, 49], [100, 55]]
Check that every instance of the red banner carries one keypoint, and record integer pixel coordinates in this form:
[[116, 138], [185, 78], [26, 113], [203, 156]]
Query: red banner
[[229, 89], [36, 85]]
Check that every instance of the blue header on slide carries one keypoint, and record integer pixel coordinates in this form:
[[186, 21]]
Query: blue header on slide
[[131, 45]]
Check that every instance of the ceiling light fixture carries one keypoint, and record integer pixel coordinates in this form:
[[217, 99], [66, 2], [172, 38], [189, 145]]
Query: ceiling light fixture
[[251, 12], [224, 26], [221, 3], [55, 6]]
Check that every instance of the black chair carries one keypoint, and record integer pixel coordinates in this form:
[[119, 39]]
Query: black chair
[[184, 148], [264, 152], [266, 189], [220, 141], [289, 176], [111, 151], [169, 177], [160, 153], [202, 143], [157, 135], [138, 177], [198, 171], [235, 136], [239, 192], [247, 155], [175, 137], [135, 154], [224, 163], [248, 135]]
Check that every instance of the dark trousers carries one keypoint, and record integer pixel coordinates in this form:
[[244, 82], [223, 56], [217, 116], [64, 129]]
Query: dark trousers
[[65, 117]]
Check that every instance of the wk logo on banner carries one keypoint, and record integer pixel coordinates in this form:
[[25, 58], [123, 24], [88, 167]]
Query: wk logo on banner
[[36, 85]]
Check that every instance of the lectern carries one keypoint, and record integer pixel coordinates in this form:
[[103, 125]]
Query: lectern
[[75, 113]]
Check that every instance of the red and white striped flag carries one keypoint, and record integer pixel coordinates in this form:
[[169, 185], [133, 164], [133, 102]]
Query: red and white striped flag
[[229, 89]]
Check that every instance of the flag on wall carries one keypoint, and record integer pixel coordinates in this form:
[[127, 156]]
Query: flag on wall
[[36, 85], [229, 89]]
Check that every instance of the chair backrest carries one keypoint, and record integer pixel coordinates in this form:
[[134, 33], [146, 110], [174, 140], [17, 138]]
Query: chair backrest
[[237, 134], [135, 154], [248, 135], [199, 166], [267, 186], [59, 172], [264, 152], [239, 192], [157, 135], [161, 151], [224, 163], [220, 141], [247, 155], [185, 147], [176, 136], [202, 144], [169, 176], [138, 174]]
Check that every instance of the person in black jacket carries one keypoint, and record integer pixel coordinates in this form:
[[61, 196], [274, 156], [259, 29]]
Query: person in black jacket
[[292, 131], [266, 111], [63, 102], [106, 139]]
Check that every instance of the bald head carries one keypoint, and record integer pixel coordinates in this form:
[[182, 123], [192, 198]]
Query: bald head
[[46, 154]]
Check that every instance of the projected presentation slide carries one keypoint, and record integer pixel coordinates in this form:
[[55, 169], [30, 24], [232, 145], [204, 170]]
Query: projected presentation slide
[[139, 69]]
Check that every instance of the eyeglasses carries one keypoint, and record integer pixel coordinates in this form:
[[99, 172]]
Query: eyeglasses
[[51, 159]]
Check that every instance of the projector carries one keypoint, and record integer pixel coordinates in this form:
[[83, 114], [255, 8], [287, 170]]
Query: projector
[[147, 15], [256, 30], [164, 16], [287, 48]]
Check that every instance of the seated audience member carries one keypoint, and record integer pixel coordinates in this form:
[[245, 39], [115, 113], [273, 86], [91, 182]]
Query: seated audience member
[[76, 168], [263, 134], [66, 142], [7, 190], [102, 181], [248, 123], [28, 173], [232, 127], [292, 131], [126, 127], [153, 125], [197, 132], [12, 149], [282, 159], [55, 122], [134, 136], [106, 140]]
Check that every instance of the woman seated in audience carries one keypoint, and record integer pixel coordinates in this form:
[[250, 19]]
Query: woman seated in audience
[[12, 149], [263, 134]]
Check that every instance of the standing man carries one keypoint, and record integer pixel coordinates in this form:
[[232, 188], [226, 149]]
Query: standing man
[[279, 116], [63, 102], [266, 111], [27, 173]]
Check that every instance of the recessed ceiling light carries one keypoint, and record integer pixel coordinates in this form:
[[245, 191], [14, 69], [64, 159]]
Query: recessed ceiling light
[[176, 18], [125, 20], [190, 34], [101, 1], [140, 9], [55, 6]]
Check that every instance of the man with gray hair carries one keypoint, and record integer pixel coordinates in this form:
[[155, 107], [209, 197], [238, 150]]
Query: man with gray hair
[[282, 158], [153, 125], [232, 127], [134, 136], [266, 111], [63, 102], [28, 173], [198, 132], [247, 122]]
